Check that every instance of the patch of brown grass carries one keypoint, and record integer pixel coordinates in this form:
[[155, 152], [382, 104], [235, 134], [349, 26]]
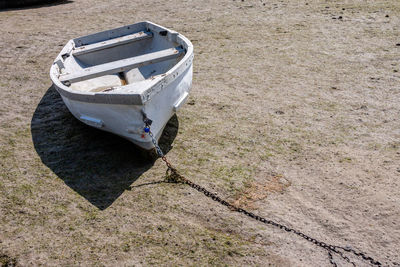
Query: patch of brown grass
[[255, 191]]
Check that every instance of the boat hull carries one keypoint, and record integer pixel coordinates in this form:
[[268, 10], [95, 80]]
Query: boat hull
[[127, 120]]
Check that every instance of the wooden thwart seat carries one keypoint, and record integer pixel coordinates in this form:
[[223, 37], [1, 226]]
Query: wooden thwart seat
[[122, 65], [111, 43]]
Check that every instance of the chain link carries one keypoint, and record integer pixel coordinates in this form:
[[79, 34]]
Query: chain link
[[154, 141], [331, 260], [173, 176]]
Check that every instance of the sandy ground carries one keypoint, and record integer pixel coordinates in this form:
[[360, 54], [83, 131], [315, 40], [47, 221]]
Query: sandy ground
[[294, 115]]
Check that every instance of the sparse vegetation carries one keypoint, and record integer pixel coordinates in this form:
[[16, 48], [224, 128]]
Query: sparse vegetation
[[293, 114]]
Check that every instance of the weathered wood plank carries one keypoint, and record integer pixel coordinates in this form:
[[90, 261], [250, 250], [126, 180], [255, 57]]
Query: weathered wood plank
[[122, 65], [111, 43]]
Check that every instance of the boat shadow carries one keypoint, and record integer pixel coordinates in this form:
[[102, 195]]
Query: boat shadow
[[30, 4], [98, 165]]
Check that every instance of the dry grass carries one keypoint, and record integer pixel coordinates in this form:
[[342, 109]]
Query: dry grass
[[254, 192], [282, 87]]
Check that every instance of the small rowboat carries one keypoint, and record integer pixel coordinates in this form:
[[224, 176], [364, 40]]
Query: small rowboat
[[109, 79]]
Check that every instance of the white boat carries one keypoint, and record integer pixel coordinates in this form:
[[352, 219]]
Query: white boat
[[108, 79]]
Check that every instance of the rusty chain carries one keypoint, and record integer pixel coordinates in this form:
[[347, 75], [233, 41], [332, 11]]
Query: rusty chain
[[173, 176]]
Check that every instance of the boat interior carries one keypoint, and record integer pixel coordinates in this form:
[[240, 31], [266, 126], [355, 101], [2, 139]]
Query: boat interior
[[125, 56]]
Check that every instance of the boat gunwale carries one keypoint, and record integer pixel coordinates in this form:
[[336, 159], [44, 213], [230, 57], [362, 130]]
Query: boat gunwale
[[121, 97]]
